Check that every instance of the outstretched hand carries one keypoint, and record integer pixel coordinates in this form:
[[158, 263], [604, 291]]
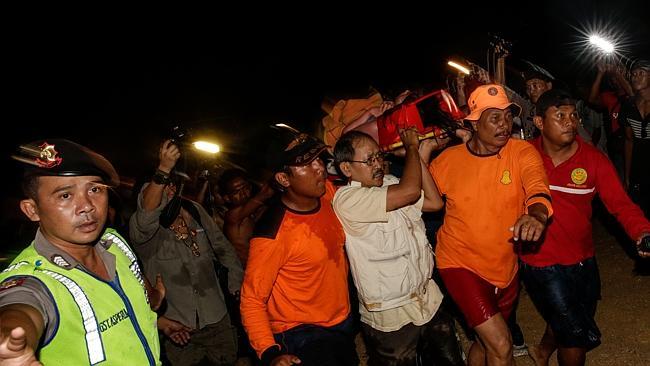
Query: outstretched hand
[[642, 253], [14, 350], [285, 360], [157, 293], [528, 228], [177, 332]]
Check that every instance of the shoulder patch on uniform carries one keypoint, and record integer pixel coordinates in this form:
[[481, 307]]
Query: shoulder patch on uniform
[[269, 223], [106, 242], [11, 283], [15, 266], [60, 261]]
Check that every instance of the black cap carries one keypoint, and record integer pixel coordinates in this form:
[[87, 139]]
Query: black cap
[[641, 64], [553, 98], [290, 147], [536, 74], [58, 157]]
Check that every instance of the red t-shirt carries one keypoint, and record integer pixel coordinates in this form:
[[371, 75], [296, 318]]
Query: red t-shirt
[[611, 101], [574, 183]]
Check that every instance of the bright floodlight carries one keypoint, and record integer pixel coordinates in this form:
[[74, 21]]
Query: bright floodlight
[[600, 42], [206, 146], [459, 67]]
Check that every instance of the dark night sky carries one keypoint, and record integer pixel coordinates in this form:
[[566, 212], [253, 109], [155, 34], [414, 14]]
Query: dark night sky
[[118, 89]]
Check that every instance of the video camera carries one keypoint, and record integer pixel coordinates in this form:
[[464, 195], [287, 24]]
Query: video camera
[[178, 135], [433, 115]]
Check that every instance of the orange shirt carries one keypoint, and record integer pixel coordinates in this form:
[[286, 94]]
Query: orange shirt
[[296, 274], [485, 197]]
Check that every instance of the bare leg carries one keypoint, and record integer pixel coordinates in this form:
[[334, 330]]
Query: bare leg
[[496, 341], [476, 355], [571, 356], [543, 351]]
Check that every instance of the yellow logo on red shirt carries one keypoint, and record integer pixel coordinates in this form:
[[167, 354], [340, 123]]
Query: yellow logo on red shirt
[[505, 178], [579, 175]]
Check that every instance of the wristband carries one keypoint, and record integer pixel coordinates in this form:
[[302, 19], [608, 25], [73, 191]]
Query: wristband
[[161, 178]]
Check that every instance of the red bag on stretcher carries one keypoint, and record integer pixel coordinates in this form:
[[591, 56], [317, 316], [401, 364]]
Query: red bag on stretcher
[[433, 115]]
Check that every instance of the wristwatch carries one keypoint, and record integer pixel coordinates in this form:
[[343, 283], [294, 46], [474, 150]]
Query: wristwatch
[[161, 178]]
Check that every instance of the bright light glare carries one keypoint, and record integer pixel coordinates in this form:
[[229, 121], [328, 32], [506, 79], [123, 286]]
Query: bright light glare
[[458, 67], [206, 146], [282, 125], [600, 42]]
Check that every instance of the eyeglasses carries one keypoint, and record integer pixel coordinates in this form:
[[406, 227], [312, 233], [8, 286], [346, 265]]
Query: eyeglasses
[[372, 159]]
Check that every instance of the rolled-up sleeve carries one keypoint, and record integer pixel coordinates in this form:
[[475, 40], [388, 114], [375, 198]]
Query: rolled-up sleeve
[[144, 224], [358, 206]]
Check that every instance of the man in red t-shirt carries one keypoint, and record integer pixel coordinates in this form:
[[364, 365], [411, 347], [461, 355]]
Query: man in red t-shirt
[[561, 274]]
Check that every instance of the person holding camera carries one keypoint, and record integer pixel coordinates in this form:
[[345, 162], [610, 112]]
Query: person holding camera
[[178, 239], [561, 274]]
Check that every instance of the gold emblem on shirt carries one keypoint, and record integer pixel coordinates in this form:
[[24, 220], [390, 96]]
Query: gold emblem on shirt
[[579, 175], [505, 178]]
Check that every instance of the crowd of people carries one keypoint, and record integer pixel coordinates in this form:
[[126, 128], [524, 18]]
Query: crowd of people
[[296, 268]]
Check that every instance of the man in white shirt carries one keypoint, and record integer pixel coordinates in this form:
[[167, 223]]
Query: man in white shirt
[[390, 257]]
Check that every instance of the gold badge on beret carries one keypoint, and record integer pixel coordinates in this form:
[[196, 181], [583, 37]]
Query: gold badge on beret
[[48, 156]]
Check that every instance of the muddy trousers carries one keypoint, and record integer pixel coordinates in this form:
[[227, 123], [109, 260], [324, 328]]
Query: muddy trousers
[[433, 343]]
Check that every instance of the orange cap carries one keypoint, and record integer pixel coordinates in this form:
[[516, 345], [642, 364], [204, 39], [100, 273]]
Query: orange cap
[[486, 97]]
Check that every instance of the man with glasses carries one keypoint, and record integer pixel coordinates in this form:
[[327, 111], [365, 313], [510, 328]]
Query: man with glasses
[[496, 197], [390, 256]]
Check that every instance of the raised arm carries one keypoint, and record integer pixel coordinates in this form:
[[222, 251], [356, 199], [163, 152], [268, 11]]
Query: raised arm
[[408, 189], [144, 222], [432, 199], [628, 149], [251, 207], [594, 92], [167, 156]]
